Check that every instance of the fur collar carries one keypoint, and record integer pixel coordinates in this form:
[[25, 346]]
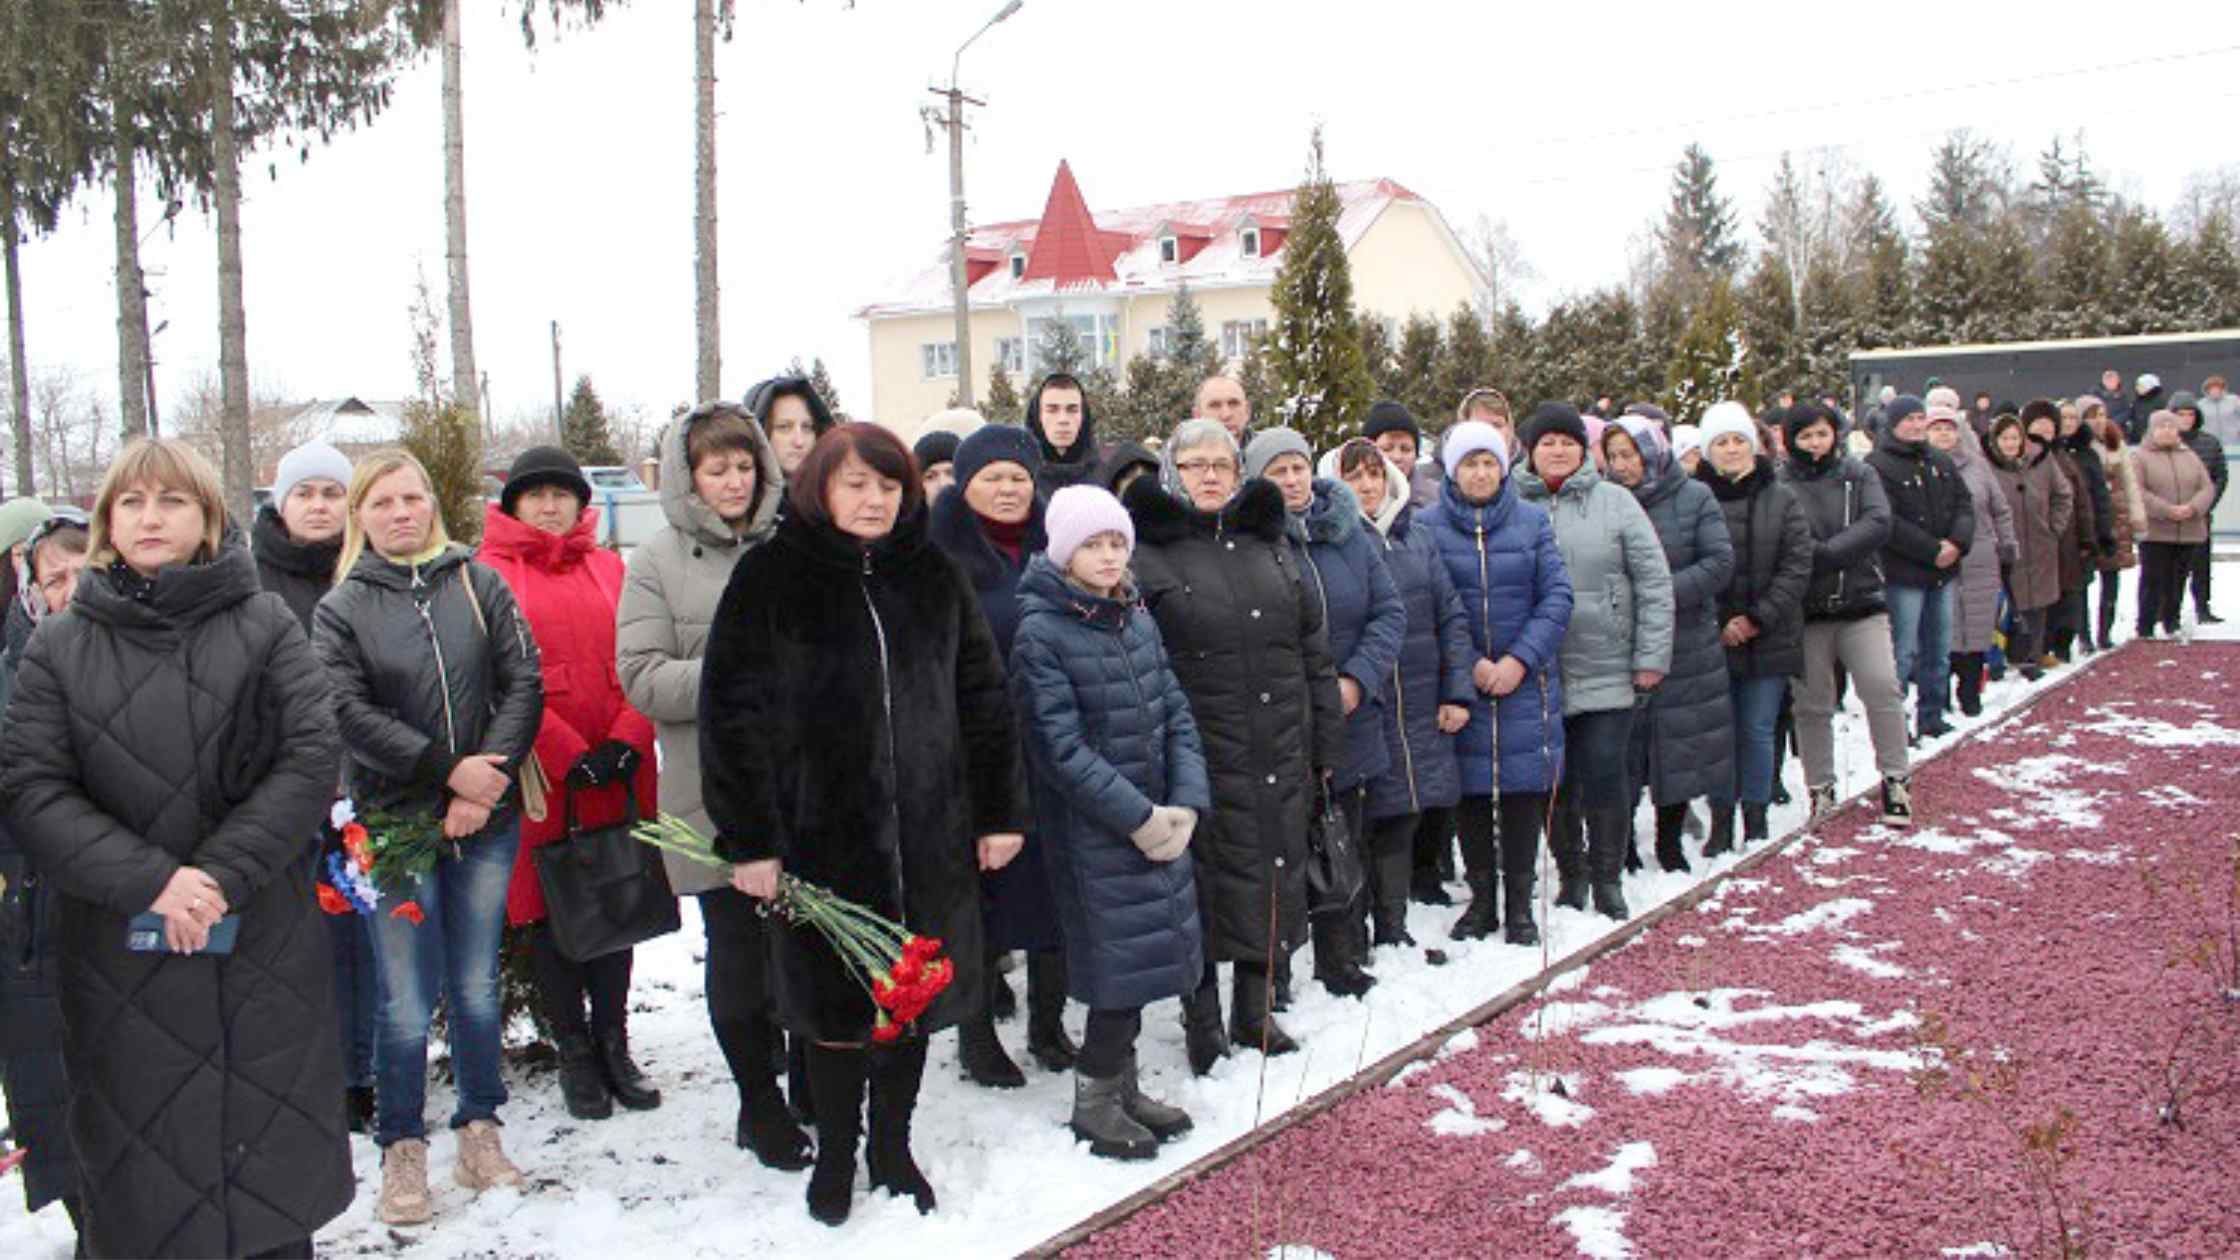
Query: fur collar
[[1333, 516], [828, 545], [1256, 510]]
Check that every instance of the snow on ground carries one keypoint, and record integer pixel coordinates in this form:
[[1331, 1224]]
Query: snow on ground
[[1007, 1170]]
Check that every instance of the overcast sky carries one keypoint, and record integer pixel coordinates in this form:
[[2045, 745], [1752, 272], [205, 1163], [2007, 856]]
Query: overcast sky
[[1563, 120]]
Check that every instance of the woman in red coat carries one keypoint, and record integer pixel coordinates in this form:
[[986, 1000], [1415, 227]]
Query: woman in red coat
[[542, 537]]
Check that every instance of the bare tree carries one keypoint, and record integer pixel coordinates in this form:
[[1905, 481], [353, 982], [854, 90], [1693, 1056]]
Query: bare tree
[[1501, 266], [2207, 195]]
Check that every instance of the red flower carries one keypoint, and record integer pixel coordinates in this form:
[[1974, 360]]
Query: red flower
[[885, 1030], [358, 845], [410, 912], [334, 902], [921, 949], [907, 970], [884, 992]]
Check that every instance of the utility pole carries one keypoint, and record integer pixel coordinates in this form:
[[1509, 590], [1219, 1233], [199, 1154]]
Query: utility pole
[[557, 432], [953, 119]]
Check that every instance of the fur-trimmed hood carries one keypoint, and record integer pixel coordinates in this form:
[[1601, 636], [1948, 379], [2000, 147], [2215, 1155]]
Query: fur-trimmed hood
[[1333, 516]]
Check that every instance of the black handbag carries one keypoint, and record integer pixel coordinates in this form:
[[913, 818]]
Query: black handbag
[[1334, 872], [604, 890]]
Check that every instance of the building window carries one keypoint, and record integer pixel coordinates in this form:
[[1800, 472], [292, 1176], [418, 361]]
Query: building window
[[1011, 354], [937, 359], [1156, 344], [1237, 336], [1252, 242], [1018, 265], [1100, 336], [1170, 250]]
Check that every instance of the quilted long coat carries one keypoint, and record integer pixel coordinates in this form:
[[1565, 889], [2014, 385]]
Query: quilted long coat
[[1686, 747], [1108, 735], [158, 725]]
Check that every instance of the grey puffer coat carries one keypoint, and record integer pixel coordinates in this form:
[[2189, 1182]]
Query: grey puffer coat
[[670, 591], [155, 725], [1108, 735], [1690, 729], [1621, 589], [1975, 601]]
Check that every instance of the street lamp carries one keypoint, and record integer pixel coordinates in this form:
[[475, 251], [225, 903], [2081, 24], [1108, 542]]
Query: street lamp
[[954, 121]]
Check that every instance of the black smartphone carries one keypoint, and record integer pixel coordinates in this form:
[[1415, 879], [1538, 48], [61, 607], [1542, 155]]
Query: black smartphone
[[144, 935]]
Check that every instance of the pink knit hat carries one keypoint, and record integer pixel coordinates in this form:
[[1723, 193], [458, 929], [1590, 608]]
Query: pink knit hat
[[1079, 513]]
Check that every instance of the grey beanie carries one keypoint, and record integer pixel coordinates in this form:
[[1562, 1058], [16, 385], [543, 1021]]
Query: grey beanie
[[1270, 444]]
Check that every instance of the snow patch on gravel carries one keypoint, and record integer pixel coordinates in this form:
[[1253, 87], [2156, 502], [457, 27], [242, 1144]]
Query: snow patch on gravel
[[1652, 1080], [1600, 1232], [1538, 1095], [2114, 719], [1827, 914], [1461, 1118], [1297, 1251], [1864, 960], [1795, 1114], [1616, 1179]]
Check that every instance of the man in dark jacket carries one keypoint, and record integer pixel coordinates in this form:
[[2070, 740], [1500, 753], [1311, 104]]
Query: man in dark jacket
[[2205, 445], [1932, 524], [2148, 399], [1058, 415]]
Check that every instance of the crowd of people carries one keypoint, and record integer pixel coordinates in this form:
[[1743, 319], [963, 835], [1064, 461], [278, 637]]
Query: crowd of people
[[1029, 692]]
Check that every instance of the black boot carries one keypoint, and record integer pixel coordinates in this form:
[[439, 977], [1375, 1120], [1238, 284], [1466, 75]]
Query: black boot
[[1567, 842], [1753, 821], [798, 1089], [1518, 882], [358, 1105], [583, 1086], [1967, 675], [837, 1078], [1633, 846], [1483, 915], [764, 1127], [1721, 842], [1046, 1009], [1283, 984], [1202, 1035], [1424, 887], [1606, 842], [1251, 1024], [1002, 1002], [1334, 962], [982, 1056], [1670, 820], [896, 1072], [1390, 868], [629, 1085]]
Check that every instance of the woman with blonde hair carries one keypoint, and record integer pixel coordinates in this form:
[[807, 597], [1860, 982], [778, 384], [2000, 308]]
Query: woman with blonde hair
[[170, 750], [438, 693]]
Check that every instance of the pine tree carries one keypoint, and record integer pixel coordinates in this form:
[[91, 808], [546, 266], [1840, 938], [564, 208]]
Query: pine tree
[[2141, 277], [1134, 412], [1465, 361], [1417, 368], [2210, 275], [1511, 351], [1257, 380], [2006, 300], [583, 427], [1698, 234], [1770, 324], [1188, 347], [1830, 319], [820, 380], [1003, 402], [1967, 184], [2075, 284], [1945, 293], [1377, 353], [1059, 347], [447, 440], [1314, 352], [1713, 360]]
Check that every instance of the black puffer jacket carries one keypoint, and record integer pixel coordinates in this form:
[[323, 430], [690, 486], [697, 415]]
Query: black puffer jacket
[[1929, 505], [1687, 741], [1773, 547], [854, 725], [300, 573], [32, 1073], [156, 725], [1247, 642], [1850, 518], [430, 663]]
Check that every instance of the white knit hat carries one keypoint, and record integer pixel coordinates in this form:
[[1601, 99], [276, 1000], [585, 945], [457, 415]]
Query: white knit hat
[[312, 461], [1079, 513], [1467, 439], [1729, 417], [1686, 438]]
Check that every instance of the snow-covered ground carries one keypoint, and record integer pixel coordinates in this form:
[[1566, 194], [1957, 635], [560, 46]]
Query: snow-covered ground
[[1008, 1172]]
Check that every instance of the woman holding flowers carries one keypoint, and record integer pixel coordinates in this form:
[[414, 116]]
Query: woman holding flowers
[[438, 695], [170, 751], [855, 734]]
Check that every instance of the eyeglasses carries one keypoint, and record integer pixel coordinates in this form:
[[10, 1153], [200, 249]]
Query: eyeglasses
[[1205, 467]]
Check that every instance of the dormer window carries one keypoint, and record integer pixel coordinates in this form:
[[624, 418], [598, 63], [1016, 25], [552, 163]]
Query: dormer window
[[1170, 249], [1018, 265], [1252, 242]]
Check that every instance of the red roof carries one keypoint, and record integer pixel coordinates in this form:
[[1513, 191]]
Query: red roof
[[1069, 248]]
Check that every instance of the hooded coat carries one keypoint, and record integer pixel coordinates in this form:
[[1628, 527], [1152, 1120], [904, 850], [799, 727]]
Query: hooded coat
[[844, 686], [1844, 502], [2044, 512], [2127, 510], [569, 587], [1361, 612], [1929, 505], [763, 398], [1077, 464], [1621, 589], [1773, 548], [299, 572], [1120, 459], [1108, 735], [1689, 734], [669, 594], [2205, 445], [1246, 638], [1509, 576], [1434, 665], [430, 663], [1016, 898], [163, 724], [1975, 601]]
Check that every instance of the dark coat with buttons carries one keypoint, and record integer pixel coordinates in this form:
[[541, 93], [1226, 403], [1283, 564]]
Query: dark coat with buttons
[[1247, 642], [1687, 741], [155, 725], [1108, 735], [1361, 613]]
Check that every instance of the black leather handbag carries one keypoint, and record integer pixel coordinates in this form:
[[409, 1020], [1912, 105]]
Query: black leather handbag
[[1334, 872], [604, 890]]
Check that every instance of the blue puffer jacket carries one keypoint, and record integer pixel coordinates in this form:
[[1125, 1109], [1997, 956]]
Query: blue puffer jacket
[[1108, 734], [1344, 568], [1503, 560]]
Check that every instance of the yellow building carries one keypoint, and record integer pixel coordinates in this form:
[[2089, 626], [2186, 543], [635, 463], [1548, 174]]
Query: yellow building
[[1113, 273]]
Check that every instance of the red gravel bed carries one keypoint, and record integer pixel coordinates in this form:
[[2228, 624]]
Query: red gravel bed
[[2051, 931]]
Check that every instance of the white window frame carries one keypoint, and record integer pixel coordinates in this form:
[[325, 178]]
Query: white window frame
[[1155, 341], [1011, 355], [937, 360], [1100, 332], [1251, 242], [1237, 336]]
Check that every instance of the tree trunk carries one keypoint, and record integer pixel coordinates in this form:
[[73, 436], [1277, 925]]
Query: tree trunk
[[132, 292], [466, 383], [239, 469], [19, 373], [706, 299]]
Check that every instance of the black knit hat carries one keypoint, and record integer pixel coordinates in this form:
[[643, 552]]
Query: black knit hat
[[1553, 417], [995, 444], [936, 447], [2040, 409], [1388, 416], [1902, 406], [543, 466]]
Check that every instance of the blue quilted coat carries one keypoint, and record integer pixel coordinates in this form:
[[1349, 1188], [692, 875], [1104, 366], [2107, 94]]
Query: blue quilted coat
[[1343, 567]]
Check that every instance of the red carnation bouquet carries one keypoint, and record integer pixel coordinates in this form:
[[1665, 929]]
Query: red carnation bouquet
[[902, 971]]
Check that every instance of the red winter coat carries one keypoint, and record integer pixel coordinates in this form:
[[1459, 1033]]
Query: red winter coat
[[568, 586]]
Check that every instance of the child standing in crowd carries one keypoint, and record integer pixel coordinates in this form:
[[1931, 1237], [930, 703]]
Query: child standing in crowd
[[1119, 784]]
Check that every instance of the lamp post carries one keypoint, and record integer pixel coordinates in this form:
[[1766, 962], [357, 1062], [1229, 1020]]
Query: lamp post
[[954, 121]]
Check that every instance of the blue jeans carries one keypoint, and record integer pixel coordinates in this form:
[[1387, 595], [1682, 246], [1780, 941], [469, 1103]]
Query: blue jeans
[[357, 996], [1920, 641], [453, 953], [1757, 713]]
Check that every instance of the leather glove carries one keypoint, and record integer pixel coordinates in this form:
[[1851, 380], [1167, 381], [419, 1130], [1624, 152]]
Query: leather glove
[[606, 763], [1175, 839]]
